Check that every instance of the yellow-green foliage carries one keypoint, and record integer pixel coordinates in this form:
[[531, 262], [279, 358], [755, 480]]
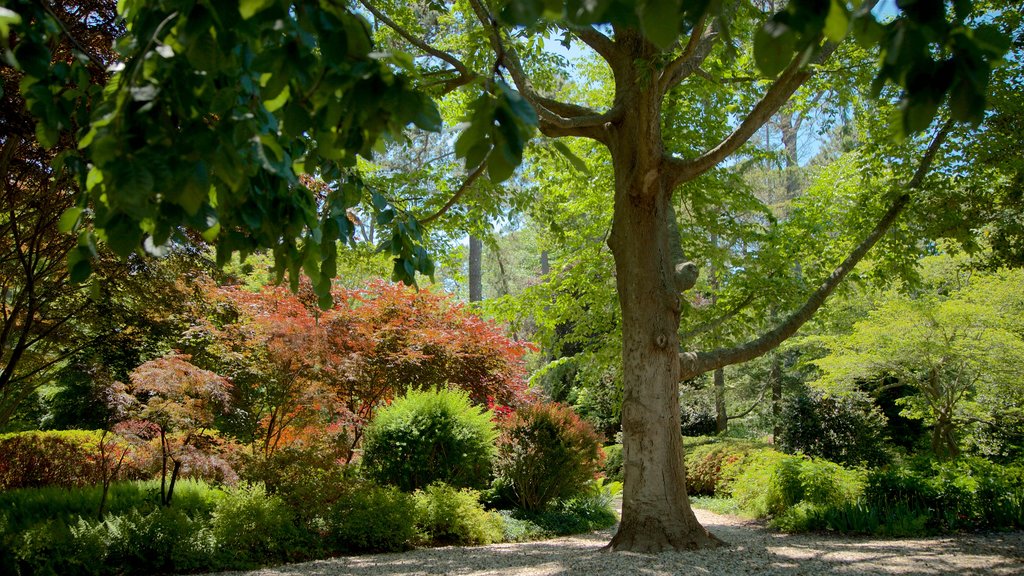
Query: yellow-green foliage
[[447, 515], [68, 458], [771, 482]]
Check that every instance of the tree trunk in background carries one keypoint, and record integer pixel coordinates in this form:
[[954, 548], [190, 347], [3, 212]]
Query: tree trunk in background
[[545, 265], [721, 418], [476, 286], [790, 127], [776, 378]]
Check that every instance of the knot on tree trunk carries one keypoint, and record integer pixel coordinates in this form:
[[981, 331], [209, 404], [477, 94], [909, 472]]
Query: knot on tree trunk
[[686, 276]]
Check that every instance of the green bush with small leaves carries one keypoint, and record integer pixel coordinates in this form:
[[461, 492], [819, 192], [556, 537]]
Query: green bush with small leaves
[[614, 467], [369, 517], [447, 515], [427, 437], [772, 482], [253, 528], [706, 461]]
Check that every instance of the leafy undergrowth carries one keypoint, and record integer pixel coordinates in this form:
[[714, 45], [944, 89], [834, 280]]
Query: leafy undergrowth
[[56, 531]]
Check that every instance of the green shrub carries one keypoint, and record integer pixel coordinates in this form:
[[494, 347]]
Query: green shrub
[[521, 529], [546, 452], [847, 430], [29, 506], [705, 462], [427, 437], [371, 518], [66, 458], [252, 528], [584, 513], [772, 482], [46, 548], [970, 494], [613, 467], [308, 480], [446, 515]]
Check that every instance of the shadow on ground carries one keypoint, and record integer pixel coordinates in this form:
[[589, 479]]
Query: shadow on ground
[[752, 550]]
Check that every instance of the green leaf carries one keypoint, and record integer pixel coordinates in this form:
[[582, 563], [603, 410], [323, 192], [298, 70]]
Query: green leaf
[[123, 235], [8, 17], [991, 39], [573, 159], [428, 117], [69, 219], [838, 21], [80, 270], [499, 168], [774, 45], [249, 8], [659, 20], [211, 233], [275, 103], [518, 105], [918, 114], [522, 12], [867, 31]]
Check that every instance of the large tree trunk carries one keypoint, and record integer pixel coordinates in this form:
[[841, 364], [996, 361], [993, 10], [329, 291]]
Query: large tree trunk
[[656, 513]]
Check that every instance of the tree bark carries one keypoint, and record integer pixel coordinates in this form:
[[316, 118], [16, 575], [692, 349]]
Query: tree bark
[[776, 378], [656, 513], [721, 417], [476, 288]]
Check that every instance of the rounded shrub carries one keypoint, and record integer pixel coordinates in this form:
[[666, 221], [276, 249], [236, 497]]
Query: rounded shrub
[[772, 482], [613, 466], [546, 452], [426, 437], [252, 528], [848, 430]]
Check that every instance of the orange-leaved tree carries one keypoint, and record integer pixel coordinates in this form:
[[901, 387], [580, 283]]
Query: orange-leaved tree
[[298, 370], [386, 339]]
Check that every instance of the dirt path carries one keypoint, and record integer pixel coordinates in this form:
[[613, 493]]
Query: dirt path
[[752, 550]]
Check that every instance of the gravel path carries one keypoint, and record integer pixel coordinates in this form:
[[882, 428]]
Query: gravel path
[[752, 550]]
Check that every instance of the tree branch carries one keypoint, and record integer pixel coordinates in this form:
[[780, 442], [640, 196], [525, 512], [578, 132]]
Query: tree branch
[[752, 406], [680, 171], [697, 50], [694, 363], [717, 322], [597, 41], [556, 118], [465, 75], [458, 193]]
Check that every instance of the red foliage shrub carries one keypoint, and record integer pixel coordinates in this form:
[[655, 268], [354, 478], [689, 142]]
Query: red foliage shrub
[[546, 452], [61, 458], [298, 369]]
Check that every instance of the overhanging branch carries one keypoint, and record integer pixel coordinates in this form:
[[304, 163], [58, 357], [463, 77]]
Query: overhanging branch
[[465, 75], [696, 51], [458, 193], [694, 363], [556, 118]]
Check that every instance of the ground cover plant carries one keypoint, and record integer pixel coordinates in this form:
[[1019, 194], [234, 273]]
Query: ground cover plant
[[315, 505]]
